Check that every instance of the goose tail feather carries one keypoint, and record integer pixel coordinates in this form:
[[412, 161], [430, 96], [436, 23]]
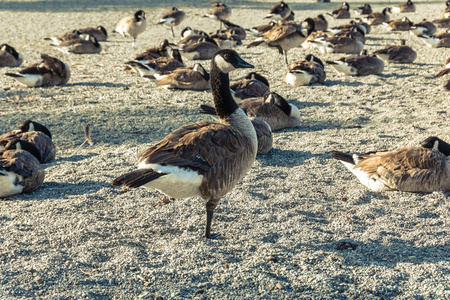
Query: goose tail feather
[[137, 178]]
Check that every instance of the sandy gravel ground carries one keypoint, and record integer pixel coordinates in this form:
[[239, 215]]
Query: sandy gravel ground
[[78, 237]]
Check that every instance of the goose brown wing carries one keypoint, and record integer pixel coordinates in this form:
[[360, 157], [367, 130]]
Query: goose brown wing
[[54, 65], [280, 31], [408, 169], [19, 161], [201, 147]]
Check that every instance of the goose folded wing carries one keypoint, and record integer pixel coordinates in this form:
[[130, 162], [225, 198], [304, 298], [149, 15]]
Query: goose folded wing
[[13, 161]]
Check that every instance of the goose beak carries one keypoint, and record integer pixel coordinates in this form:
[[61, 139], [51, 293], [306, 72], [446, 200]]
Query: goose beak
[[243, 64]]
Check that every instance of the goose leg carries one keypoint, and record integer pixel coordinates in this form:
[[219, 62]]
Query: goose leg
[[208, 235], [173, 34], [285, 58]]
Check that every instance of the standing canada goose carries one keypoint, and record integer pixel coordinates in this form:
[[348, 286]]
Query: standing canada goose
[[437, 144], [50, 71], [99, 33], [339, 44], [9, 57], [440, 40], [408, 6], [342, 12], [253, 85], [447, 10], [202, 159], [412, 169], [220, 12], [399, 53], [161, 65], [261, 29], [305, 72], [272, 108], [442, 23], [356, 65], [86, 45], [36, 134], [56, 40], [172, 18], [366, 9], [377, 18], [154, 52], [285, 36], [278, 12], [320, 23], [446, 70], [424, 27], [20, 169], [202, 50], [188, 78], [132, 26], [403, 24]]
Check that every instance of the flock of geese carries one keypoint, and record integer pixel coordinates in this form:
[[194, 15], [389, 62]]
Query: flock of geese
[[208, 159]]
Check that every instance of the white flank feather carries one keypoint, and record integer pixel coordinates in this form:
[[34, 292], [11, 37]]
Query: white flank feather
[[297, 78], [344, 69], [178, 183], [29, 80], [7, 183]]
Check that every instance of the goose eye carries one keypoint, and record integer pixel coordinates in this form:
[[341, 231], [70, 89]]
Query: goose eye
[[226, 56]]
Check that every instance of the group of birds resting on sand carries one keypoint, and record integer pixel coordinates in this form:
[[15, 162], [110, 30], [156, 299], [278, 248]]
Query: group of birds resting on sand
[[208, 159]]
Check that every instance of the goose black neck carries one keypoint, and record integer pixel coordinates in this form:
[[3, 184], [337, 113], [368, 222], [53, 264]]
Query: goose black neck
[[220, 87]]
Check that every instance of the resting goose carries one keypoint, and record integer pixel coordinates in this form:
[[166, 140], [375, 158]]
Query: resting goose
[[339, 44], [377, 18], [366, 9], [272, 108], [443, 23], [20, 170], [285, 36], [441, 40], [234, 30], [251, 86], [437, 144], [355, 33], [154, 52], [99, 33], [403, 24], [261, 29], [424, 27], [279, 12], [36, 134], [320, 23], [408, 6], [172, 18], [342, 12], [56, 40], [86, 45], [202, 159], [132, 26], [188, 78], [305, 72], [51, 71], [357, 65], [202, 50], [220, 12], [399, 53], [9, 57], [189, 31], [446, 70], [412, 169], [159, 65]]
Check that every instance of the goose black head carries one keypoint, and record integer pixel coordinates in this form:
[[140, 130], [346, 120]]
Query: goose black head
[[386, 10], [310, 28], [437, 144], [140, 14], [256, 76], [10, 50], [17, 144], [346, 6], [29, 125], [102, 29], [228, 60], [311, 57]]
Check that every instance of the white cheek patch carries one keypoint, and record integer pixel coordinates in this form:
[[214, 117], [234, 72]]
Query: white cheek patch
[[223, 65]]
